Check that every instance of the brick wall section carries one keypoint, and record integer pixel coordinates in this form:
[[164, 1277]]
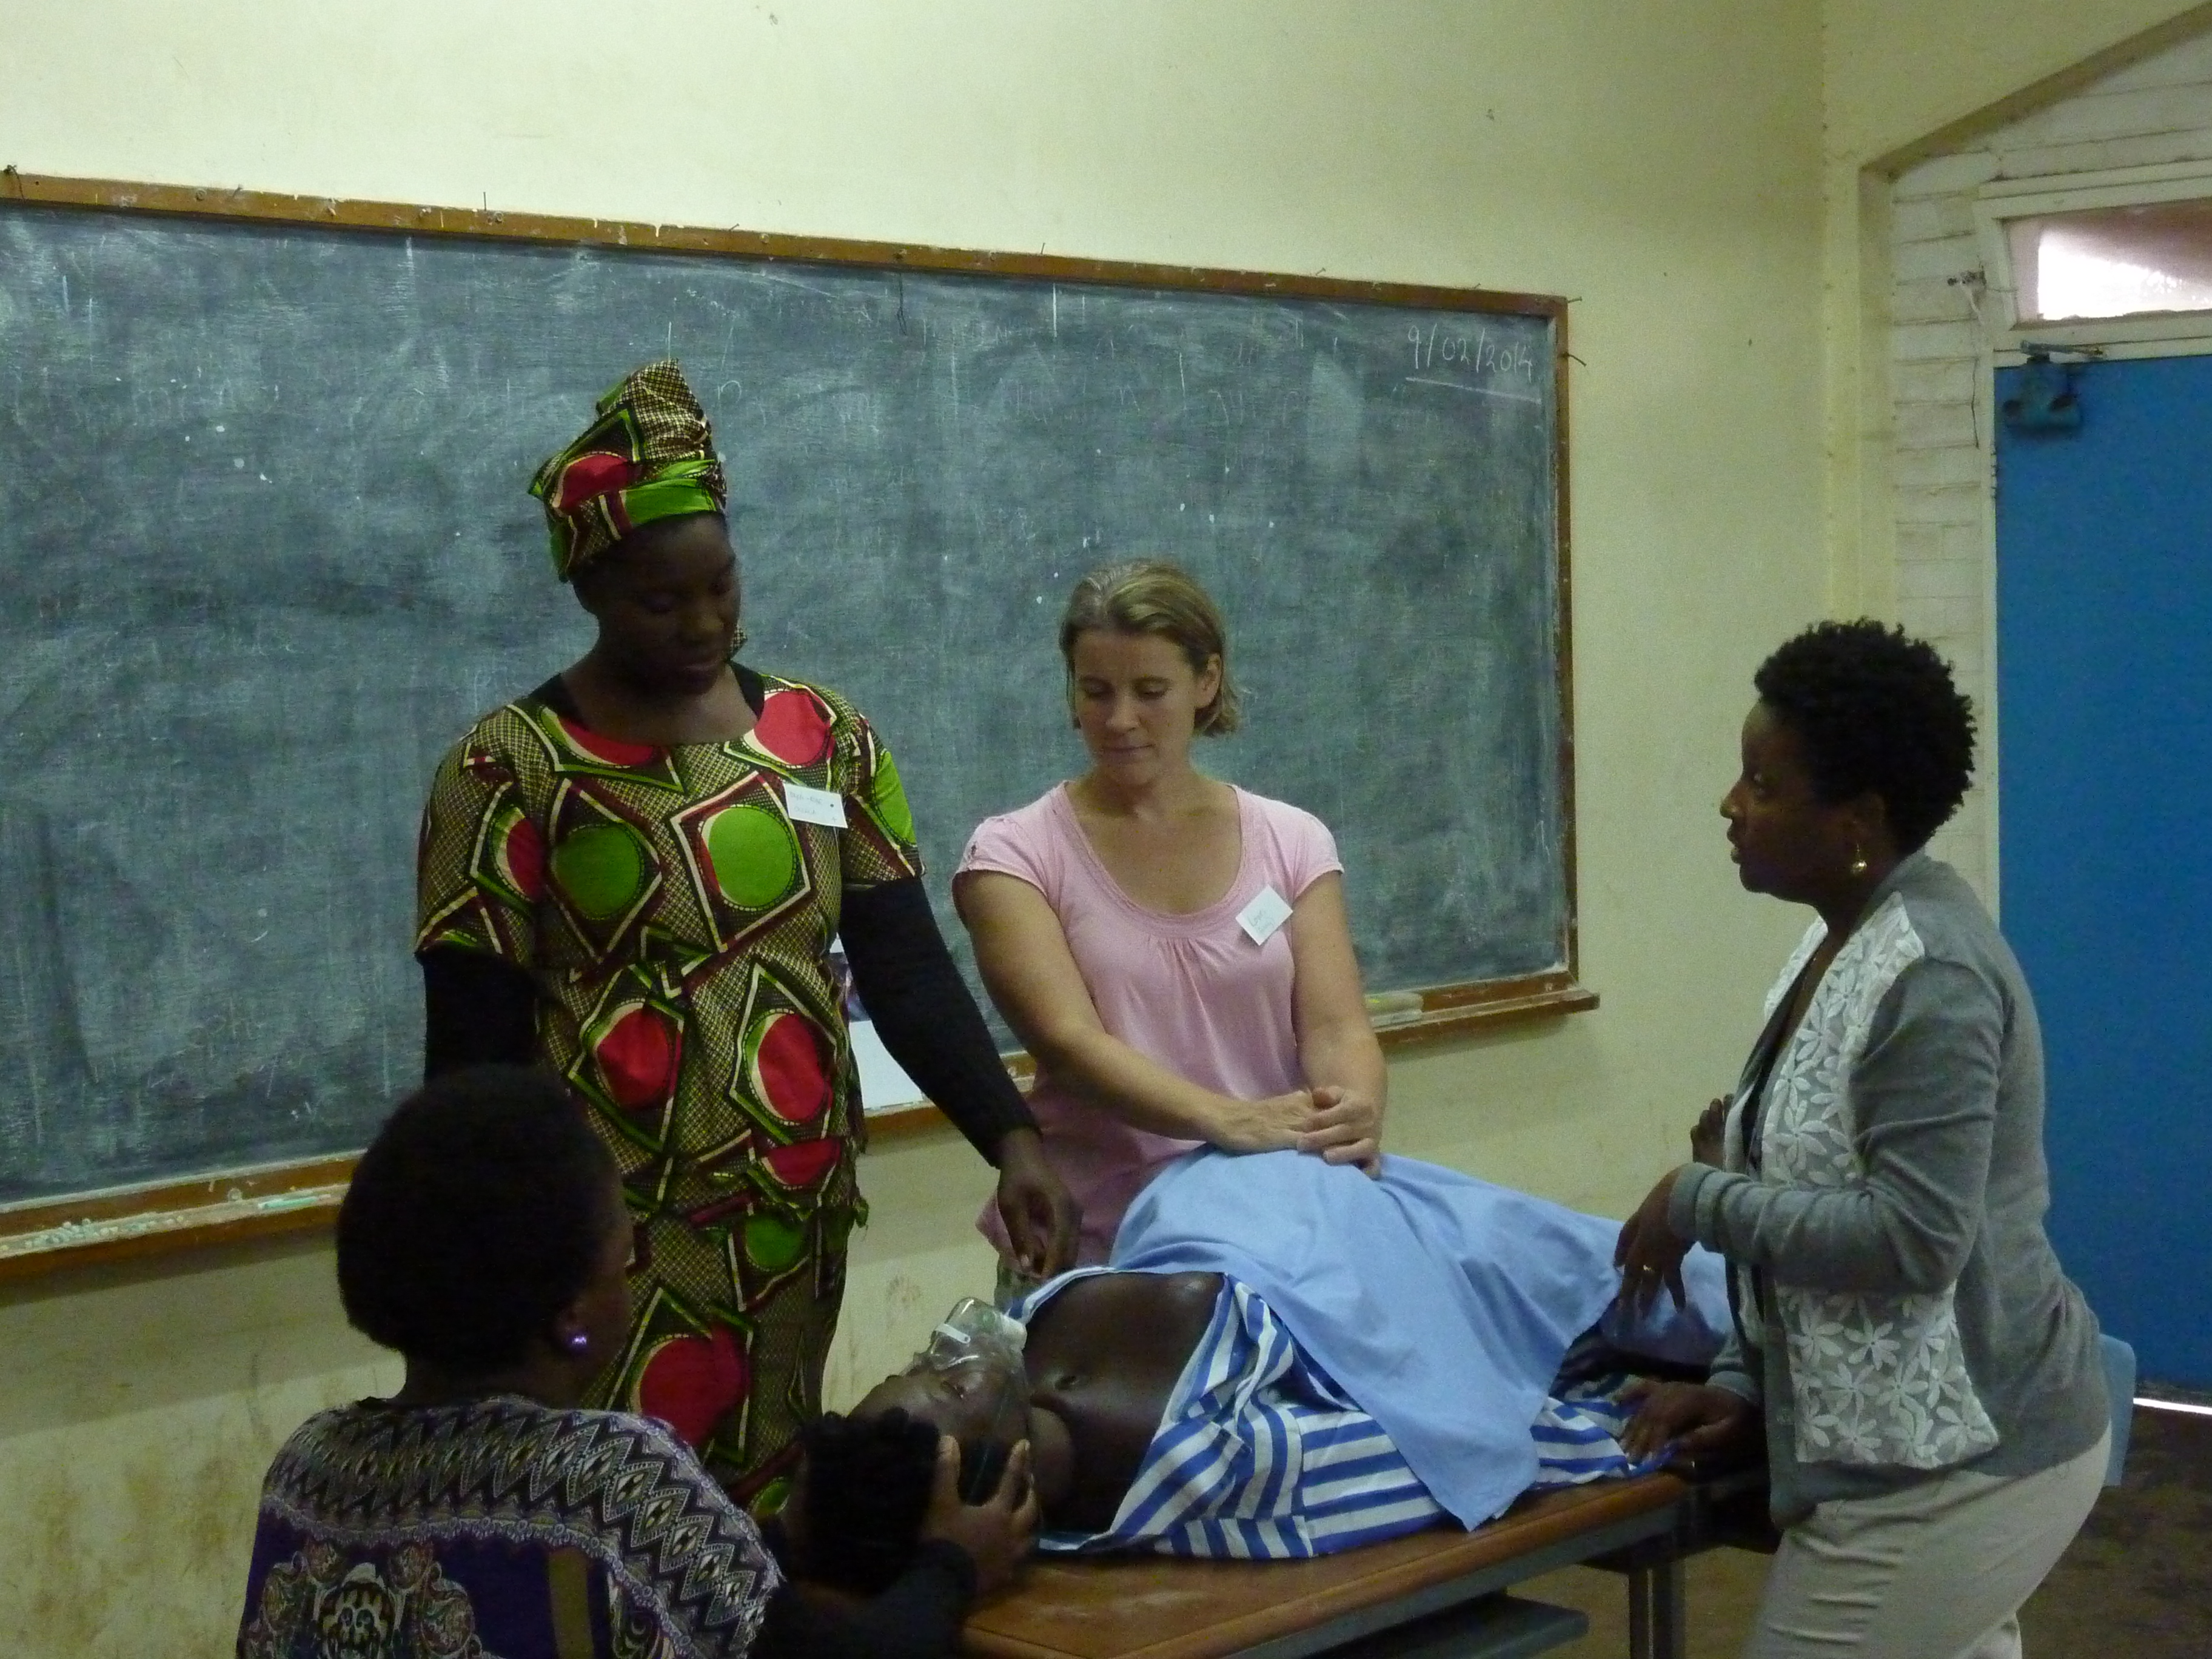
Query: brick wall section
[[2159, 110]]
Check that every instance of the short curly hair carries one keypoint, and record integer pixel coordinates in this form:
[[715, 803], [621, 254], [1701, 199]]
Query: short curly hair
[[476, 1216], [1875, 710]]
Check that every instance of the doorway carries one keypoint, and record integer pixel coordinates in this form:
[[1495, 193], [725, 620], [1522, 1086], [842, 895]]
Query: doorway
[[2104, 633]]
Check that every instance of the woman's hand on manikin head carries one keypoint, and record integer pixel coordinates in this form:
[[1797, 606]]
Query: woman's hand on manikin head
[[965, 1415], [997, 1533]]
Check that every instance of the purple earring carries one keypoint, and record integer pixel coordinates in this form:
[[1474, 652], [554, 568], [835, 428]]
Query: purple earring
[[578, 1341]]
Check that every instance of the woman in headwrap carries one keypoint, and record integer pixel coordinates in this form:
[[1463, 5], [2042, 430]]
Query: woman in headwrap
[[632, 876]]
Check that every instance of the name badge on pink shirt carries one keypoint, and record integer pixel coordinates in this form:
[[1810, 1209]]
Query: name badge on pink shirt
[[1267, 912]]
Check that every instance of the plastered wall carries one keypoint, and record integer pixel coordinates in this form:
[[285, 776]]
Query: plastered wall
[[1661, 166], [2150, 114], [1902, 82]]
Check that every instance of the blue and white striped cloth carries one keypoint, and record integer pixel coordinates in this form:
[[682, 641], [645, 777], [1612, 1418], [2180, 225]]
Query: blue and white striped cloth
[[1260, 1456]]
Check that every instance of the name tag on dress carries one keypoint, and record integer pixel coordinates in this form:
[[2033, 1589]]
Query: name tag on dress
[[1267, 913], [814, 805]]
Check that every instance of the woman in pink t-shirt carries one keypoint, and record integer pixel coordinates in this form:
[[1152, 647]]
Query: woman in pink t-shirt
[[1172, 950]]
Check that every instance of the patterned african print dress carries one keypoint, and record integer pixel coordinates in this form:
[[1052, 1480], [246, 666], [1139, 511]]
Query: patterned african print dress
[[498, 1526], [675, 913]]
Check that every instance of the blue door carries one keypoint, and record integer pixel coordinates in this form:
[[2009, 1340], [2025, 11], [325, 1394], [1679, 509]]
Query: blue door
[[2104, 693]]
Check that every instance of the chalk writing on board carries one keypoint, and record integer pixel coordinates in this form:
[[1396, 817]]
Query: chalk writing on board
[[1487, 351], [268, 553]]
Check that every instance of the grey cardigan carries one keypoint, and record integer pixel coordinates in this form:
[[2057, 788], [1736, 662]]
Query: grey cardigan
[[1902, 1311]]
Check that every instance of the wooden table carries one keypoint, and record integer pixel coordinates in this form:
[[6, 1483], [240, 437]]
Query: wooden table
[[1431, 1593]]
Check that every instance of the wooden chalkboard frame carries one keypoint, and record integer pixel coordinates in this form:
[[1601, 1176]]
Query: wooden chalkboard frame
[[44, 1234]]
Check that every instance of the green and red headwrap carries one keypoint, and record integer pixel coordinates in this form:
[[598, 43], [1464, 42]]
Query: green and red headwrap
[[650, 455]]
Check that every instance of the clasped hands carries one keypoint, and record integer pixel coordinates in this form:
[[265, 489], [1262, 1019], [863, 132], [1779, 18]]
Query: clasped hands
[[1337, 1124]]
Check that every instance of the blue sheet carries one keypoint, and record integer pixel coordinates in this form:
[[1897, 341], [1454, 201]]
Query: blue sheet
[[1442, 1304]]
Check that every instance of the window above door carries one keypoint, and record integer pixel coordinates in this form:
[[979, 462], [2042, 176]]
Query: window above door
[[2121, 261]]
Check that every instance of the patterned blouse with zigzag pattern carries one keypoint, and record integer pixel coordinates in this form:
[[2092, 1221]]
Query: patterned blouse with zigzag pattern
[[499, 1528]]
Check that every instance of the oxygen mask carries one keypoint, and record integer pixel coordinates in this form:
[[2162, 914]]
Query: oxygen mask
[[977, 1352]]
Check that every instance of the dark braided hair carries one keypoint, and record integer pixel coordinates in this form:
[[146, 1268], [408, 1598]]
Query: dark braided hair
[[475, 1217], [1874, 709], [868, 1481]]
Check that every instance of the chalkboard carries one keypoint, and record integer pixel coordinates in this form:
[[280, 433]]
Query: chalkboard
[[267, 552]]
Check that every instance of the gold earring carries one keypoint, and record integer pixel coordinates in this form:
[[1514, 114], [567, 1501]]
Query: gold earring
[[1858, 860]]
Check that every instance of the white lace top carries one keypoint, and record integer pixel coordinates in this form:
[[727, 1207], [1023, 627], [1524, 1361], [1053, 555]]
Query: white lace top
[[1901, 1309]]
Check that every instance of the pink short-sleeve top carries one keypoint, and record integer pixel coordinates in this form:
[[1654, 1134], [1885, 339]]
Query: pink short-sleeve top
[[1192, 992]]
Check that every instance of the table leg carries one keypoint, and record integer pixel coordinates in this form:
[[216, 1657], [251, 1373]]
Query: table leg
[[1655, 1629]]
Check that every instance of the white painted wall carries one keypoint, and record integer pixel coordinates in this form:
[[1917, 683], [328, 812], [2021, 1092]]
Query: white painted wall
[[1897, 75], [1661, 165], [1943, 461]]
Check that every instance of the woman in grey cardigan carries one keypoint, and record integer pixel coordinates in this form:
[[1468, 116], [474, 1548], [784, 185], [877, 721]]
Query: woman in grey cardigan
[[1934, 1407]]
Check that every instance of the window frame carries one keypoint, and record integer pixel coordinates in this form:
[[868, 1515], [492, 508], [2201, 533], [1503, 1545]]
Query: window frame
[[2166, 334]]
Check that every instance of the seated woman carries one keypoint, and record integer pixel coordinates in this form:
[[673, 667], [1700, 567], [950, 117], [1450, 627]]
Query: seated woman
[[1286, 1358], [478, 1511]]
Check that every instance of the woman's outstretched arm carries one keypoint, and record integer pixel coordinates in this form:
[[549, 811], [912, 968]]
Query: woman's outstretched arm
[[1028, 969], [1337, 1049]]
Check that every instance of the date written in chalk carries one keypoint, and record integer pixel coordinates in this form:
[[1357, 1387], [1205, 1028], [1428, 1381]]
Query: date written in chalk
[[1478, 351]]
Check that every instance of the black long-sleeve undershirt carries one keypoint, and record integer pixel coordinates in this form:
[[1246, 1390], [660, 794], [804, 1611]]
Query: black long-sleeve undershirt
[[478, 1009], [481, 1010], [924, 1014], [918, 1617]]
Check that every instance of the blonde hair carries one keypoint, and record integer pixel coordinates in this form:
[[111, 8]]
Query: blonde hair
[[1150, 596]]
